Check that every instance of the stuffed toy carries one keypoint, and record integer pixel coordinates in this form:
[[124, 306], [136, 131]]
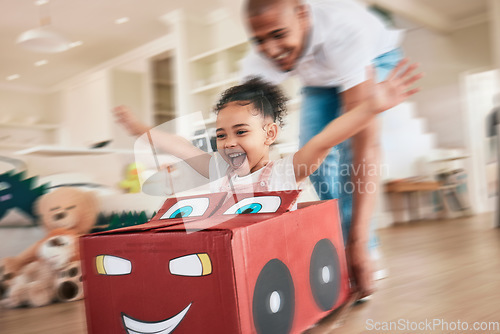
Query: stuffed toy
[[33, 286], [132, 183], [54, 275], [50, 268], [69, 286]]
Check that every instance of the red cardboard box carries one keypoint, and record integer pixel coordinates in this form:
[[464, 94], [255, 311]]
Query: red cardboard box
[[202, 266]]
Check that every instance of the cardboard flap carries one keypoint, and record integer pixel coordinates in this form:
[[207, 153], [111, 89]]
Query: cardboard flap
[[177, 209], [151, 225], [240, 210], [260, 202], [128, 229], [219, 222]]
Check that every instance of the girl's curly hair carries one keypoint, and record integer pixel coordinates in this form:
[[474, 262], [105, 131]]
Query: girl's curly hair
[[267, 98]]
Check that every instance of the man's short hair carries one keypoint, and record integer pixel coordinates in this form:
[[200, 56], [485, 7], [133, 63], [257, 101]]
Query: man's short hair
[[257, 7]]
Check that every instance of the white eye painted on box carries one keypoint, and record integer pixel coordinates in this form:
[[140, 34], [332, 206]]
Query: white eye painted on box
[[112, 265], [193, 207], [261, 204], [191, 265]]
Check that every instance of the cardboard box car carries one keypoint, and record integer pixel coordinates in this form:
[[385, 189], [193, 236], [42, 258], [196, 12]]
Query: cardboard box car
[[207, 264]]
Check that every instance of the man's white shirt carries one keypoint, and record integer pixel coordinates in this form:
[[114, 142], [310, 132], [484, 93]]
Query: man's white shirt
[[344, 39]]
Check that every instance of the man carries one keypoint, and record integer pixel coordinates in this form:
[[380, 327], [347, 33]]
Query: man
[[329, 46]]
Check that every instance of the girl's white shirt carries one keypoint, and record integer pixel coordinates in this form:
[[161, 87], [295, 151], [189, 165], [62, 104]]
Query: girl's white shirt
[[282, 176]]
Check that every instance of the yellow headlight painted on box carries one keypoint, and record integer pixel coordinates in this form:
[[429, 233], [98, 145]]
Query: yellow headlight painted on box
[[191, 265], [112, 265]]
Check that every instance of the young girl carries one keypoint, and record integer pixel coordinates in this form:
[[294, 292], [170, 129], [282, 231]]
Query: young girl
[[247, 122]]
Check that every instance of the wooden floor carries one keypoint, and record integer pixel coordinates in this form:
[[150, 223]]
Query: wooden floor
[[444, 271]]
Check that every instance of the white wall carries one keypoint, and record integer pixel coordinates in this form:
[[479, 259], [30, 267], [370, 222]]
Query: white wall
[[481, 89], [21, 111], [53, 107], [17, 106], [86, 106], [127, 88], [443, 59]]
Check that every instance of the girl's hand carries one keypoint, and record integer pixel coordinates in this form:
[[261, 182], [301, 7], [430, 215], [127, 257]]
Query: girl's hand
[[394, 90], [125, 117]]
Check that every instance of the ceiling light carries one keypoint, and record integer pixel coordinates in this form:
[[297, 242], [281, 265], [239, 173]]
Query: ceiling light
[[41, 62], [74, 44], [43, 39], [13, 77], [122, 20], [41, 2]]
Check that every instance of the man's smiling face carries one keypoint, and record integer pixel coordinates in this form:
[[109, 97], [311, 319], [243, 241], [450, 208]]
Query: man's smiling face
[[279, 32]]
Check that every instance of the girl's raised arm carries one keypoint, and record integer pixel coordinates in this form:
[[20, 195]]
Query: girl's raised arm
[[166, 142]]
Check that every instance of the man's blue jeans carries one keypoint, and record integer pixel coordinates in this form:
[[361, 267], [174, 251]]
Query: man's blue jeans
[[320, 106]]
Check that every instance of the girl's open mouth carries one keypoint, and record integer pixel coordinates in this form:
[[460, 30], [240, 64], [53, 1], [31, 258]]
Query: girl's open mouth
[[237, 159]]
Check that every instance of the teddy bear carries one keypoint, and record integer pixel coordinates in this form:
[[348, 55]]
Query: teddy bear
[[53, 276], [69, 285], [50, 268], [61, 251], [33, 286]]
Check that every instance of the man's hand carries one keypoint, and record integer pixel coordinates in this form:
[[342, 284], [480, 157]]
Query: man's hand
[[360, 268], [395, 89]]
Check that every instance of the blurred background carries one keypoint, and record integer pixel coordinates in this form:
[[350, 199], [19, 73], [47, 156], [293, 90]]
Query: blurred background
[[166, 59]]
